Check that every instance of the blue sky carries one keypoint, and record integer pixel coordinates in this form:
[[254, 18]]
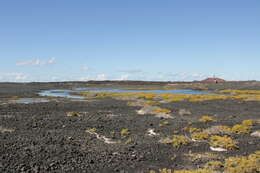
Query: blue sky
[[169, 40]]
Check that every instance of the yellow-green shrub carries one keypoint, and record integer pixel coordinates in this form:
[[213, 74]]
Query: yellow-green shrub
[[206, 119], [195, 171], [213, 165], [164, 123], [92, 130], [178, 141], [250, 164], [73, 114], [223, 142], [200, 136], [248, 123], [124, 132], [240, 129], [161, 110]]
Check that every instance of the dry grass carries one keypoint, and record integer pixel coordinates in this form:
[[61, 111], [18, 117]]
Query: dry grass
[[92, 130], [129, 140], [202, 157], [213, 165], [177, 141], [73, 114], [223, 142], [241, 94], [250, 164], [200, 136], [124, 132], [164, 123], [161, 110], [191, 129], [232, 91], [240, 129], [218, 130], [206, 119], [247, 123]]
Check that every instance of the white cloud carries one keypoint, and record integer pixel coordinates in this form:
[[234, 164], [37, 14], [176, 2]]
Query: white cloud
[[84, 78], [131, 71], [197, 75], [124, 77], [13, 77], [36, 62], [102, 77]]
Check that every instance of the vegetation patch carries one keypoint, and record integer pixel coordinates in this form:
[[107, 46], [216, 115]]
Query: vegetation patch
[[73, 114], [247, 123], [219, 130], [161, 110], [164, 123], [200, 136], [177, 141], [202, 157], [232, 91], [240, 129], [223, 142], [170, 97], [213, 165], [124, 132], [191, 129], [206, 119], [142, 103], [129, 140], [195, 171], [92, 130], [250, 164]]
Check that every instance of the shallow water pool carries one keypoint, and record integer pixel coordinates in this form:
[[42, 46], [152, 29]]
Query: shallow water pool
[[31, 100], [67, 93]]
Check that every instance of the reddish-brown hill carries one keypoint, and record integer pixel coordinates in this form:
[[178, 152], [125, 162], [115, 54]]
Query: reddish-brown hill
[[215, 80]]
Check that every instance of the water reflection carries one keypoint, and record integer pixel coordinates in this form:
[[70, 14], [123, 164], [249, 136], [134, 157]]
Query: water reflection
[[67, 93]]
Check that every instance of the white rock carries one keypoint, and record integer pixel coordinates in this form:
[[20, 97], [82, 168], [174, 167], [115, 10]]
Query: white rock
[[218, 149], [151, 132], [256, 134]]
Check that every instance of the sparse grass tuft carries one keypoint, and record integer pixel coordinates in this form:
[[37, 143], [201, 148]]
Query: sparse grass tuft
[[201, 157], [165, 170], [240, 129], [73, 114], [152, 171], [15, 97], [195, 171], [92, 130], [232, 91], [200, 136], [248, 123], [223, 142], [164, 123], [178, 141], [129, 140], [192, 129], [250, 164], [213, 165], [219, 130], [161, 110], [124, 132], [206, 119]]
